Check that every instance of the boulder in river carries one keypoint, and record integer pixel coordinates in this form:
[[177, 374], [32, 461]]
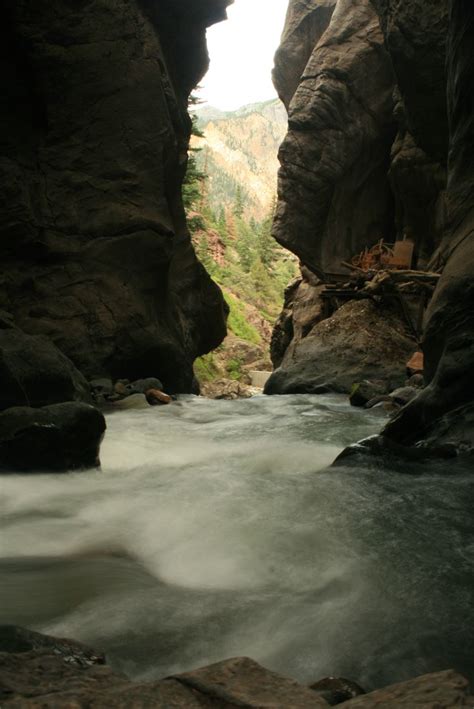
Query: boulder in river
[[33, 372], [360, 341], [156, 397], [57, 438], [365, 391]]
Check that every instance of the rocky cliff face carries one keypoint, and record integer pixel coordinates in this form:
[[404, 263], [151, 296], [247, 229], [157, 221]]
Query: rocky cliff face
[[94, 246], [427, 174], [355, 167], [444, 410], [239, 151]]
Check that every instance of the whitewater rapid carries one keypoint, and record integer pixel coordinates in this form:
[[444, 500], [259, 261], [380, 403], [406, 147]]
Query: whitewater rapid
[[216, 529]]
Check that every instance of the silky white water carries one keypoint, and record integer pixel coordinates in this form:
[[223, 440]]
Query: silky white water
[[216, 529]]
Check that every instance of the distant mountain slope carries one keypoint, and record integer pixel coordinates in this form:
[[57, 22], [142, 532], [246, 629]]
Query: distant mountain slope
[[239, 151]]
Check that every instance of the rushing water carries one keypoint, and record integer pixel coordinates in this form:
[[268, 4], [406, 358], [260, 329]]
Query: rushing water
[[216, 529]]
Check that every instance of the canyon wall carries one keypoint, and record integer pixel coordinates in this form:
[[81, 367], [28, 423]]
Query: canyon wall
[[355, 167], [94, 246], [444, 411], [381, 143]]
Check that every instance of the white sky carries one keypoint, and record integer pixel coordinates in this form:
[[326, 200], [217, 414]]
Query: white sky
[[241, 52]]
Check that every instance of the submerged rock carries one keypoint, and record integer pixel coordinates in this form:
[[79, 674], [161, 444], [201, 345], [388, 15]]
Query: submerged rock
[[33, 372], [58, 438]]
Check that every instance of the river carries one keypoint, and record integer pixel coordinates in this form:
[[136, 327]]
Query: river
[[216, 529]]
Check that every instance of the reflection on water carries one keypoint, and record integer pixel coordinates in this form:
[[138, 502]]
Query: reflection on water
[[215, 529]]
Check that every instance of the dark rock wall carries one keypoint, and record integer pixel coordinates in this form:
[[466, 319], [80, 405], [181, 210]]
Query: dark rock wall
[[94, 130], [365, 155], [449, 328], [415, 34], [366, 152], [334, 195]]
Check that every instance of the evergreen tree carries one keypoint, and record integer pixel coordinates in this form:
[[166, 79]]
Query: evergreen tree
[[194, 179], [239, 203], [267, 246]]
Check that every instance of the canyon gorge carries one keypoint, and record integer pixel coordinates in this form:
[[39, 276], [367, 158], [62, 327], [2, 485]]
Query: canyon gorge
[[102, 286]]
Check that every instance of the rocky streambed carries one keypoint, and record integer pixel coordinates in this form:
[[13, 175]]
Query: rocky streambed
[[216, 529]]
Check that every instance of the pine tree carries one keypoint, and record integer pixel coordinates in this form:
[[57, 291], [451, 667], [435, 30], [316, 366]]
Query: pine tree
[[267, 246], [238, 209], [194, 180]]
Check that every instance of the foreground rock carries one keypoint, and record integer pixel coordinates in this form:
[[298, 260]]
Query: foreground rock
[[440, 690], [95, 252], [58, 673], [361, 341], [336, 690], [40, 671], [57, 438], [33, 372]]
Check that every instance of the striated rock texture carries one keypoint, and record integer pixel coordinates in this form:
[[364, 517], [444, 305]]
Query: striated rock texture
[[444, 409], [94, 131]]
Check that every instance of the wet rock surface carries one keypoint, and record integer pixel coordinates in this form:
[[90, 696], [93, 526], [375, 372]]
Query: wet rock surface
[[336, 690], [33, 372], [38, 670], [440, 690], [58, 438]]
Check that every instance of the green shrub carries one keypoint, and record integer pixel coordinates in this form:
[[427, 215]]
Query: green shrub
[[238, 323], [205, 368], [234, 368]]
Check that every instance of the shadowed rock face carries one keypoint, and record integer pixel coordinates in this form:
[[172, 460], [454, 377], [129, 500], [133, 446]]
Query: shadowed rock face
[[449, 328], [334, 196], [93, 143], [365, 156], [367, 147]]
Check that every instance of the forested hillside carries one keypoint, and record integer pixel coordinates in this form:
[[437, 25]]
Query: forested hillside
[[236, 247], [239, 152]]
